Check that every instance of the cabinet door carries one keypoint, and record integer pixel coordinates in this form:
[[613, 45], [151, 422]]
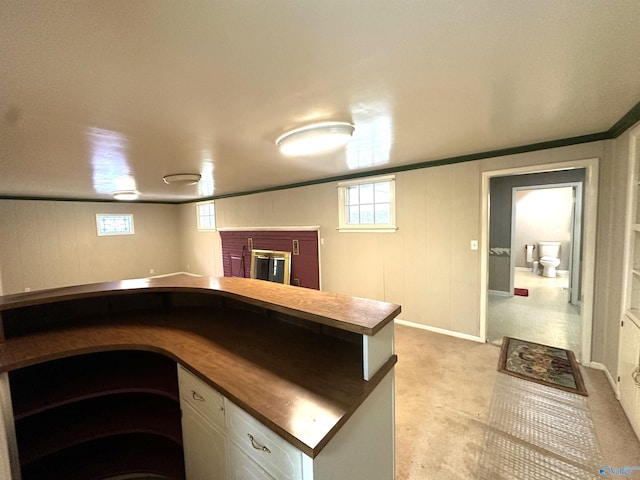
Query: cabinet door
[[204, 447], [629, 359], [241, 467]]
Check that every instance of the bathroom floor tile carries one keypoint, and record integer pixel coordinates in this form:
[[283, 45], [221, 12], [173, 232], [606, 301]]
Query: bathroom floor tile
[[545, 316]]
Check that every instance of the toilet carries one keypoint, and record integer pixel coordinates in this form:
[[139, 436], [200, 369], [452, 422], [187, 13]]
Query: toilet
[[549, 253]]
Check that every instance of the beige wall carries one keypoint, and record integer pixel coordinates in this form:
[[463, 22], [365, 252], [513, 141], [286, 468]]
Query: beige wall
[[200, 251], [46, 244]]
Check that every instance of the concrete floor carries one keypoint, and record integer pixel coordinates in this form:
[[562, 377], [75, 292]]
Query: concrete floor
[[444, 387]]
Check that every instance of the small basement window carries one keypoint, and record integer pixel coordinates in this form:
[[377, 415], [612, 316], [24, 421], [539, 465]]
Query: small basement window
[[367, 205], [206, 216], [112, 224]]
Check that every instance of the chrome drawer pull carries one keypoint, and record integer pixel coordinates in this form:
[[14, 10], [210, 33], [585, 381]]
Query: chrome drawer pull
[[257, 446], [197, 397]]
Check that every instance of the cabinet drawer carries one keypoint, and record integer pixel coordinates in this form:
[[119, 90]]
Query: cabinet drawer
[[201, 397], [274, 454], [243, 468]]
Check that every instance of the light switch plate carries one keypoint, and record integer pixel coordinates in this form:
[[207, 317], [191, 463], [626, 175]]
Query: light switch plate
[[474, 244]]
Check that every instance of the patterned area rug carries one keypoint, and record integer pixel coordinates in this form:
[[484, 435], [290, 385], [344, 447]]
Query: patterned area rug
[[542, 364]]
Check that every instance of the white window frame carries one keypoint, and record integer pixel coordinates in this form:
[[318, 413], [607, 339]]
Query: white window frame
[[111, 234], [344, 226], [199, 217]]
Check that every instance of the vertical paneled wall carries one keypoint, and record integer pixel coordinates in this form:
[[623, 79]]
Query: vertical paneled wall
[[200, 250], [46, 244], [426, 266]]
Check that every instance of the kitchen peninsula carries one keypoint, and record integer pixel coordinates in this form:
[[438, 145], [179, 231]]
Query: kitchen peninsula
[[270, 380]]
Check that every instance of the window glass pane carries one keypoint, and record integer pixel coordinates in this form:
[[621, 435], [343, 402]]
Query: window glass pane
[[383, 192], [114, 224], [354, 215], [367, 206], [205, 222], [366, 193], [383, 215], [206, 216], [366, 213], [352, 195]]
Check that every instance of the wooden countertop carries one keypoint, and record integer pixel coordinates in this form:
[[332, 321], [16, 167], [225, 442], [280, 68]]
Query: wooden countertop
[[301, 384], [352, 314]]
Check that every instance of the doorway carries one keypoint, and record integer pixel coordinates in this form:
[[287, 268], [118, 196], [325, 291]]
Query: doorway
[[549, 314], [493, 257], [550, 212]]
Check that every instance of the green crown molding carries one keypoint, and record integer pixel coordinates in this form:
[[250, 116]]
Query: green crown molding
[[88, 200], [626, 122]]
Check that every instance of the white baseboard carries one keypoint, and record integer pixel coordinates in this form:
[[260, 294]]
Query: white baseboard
[[175, 273], [499, 293], [612, 381], [443, 331], [529, 269]]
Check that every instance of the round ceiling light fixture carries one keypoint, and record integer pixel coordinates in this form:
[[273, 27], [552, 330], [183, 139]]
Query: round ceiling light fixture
[[182, 179], [315, 138], [126, 194]]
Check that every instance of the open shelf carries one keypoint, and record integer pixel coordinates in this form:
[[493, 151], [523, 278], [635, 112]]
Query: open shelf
[[79, 416], [261, 363], [52, 384], [101, 417], [106, 458]]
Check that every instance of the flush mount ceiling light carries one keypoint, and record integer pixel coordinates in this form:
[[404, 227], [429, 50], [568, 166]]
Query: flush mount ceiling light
[[316, 138], [126, 194], [182, 179]]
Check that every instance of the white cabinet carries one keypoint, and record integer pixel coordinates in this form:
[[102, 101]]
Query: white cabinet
[[204, 447], [629, 365], [203, 429]]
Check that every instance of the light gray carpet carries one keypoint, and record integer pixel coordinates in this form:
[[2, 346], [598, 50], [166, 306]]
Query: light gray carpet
[[444, 388], [538, 432]]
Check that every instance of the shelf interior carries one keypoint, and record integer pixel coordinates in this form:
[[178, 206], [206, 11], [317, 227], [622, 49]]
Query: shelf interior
[[98, 415], [52, 384], [109, 457]]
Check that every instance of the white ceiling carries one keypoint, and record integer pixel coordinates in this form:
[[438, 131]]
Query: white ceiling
[[93, 91]]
